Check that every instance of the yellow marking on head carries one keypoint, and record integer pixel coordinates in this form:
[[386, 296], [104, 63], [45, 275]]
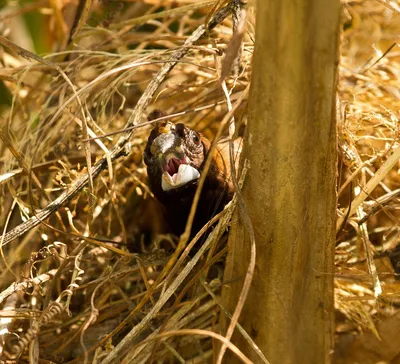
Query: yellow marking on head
[[165, 127]]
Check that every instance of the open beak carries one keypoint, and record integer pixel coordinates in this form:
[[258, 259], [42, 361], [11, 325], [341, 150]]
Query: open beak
[[185, 174]]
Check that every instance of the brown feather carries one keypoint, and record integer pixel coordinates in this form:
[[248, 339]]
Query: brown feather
[[186, 144]]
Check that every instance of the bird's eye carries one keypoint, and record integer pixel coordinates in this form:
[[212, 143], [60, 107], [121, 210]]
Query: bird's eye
[[196, 138]]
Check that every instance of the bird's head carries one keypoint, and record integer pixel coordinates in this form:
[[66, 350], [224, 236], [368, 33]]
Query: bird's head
[[174, 155]]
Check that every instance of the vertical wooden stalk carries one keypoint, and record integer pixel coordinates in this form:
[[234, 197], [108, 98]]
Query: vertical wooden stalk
[[290, 189]]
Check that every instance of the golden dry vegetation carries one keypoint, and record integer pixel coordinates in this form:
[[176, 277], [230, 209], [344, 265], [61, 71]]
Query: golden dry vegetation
[[86, 271]]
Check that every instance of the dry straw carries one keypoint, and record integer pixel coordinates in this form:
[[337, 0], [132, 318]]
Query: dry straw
[[75, 203]]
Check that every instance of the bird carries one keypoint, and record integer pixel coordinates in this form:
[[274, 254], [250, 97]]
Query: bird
[[175, 155]]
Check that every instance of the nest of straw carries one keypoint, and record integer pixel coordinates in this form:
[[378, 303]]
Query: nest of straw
[[85, 250], [367, 252], [76, 206]]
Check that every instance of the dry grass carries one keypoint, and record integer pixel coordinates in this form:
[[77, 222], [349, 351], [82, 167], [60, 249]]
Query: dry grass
[[367, 254], [82, 292]]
